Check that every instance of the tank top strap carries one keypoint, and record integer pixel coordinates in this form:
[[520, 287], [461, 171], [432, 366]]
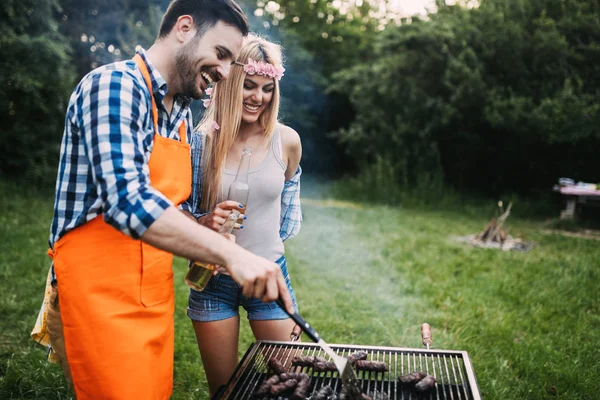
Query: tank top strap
[[277, 147]]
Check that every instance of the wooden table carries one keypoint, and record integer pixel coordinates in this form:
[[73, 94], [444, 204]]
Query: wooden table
[[577, 197]]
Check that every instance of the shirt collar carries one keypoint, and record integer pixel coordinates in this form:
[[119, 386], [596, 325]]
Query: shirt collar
[[159, 85]]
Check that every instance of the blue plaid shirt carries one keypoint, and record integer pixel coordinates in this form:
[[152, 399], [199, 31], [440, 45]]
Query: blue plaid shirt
[[291, 213], [106, 146]]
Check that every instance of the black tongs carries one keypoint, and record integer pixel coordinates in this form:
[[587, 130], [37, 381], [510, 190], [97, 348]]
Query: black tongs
[[345, 368]]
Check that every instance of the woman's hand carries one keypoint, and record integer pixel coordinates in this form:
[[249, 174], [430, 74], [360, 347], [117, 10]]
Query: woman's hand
[[217, 218]]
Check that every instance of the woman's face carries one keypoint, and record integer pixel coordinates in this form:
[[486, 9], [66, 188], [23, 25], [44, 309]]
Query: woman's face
[[257, 95]]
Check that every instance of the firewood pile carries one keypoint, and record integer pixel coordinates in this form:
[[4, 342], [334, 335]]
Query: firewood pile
[[493, 232], [495, 237]]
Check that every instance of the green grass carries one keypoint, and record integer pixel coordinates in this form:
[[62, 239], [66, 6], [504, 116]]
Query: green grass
[[367, 274]]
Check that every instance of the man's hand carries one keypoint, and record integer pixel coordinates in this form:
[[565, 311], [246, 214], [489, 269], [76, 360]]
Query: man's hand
[[259, 278], [175, 233], [217, 218]]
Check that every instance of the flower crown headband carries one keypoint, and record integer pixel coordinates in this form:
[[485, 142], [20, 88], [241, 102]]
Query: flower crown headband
[[254, 67]]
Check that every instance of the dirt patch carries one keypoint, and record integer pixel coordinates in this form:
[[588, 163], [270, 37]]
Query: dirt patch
[[508, 244]]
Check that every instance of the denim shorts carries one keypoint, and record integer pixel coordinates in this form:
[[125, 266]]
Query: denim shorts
[[222, 298]]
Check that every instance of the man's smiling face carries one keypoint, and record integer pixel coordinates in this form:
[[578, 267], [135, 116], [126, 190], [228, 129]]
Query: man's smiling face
[[207, 59]]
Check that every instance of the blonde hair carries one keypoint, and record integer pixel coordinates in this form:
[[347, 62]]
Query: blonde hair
[[226, 110]]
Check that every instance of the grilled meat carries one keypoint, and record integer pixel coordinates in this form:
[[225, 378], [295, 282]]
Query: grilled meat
[[357, 355], [284, 386], [276, 366], [302, 388], [412, 378], [266, 386], [306, 361], [374, 366], [425, 384], [324, 366]]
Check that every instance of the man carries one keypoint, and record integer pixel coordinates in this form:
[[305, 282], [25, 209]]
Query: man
[[124, 167]]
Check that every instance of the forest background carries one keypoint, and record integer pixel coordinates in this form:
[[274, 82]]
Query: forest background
[[473, 99]]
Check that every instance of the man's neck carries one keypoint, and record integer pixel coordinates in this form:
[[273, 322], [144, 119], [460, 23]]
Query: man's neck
[[161, 56]]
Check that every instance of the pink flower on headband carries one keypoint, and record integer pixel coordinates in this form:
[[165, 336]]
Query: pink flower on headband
[[262, 68]]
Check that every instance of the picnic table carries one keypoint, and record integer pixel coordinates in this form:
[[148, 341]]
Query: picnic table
[[576, 197]]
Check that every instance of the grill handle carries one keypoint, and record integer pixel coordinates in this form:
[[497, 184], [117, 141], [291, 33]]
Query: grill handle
[[309, 330], [426, 335]]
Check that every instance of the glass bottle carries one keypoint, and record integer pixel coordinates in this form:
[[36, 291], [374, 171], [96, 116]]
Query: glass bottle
[[199, 273]]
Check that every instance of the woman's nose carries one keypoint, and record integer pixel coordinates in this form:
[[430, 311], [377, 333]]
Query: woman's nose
[[257, 95]]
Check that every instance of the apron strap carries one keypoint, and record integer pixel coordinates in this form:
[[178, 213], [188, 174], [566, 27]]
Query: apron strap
[[144, 68]]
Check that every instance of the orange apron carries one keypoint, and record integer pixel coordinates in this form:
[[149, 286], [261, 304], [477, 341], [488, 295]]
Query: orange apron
[[116, 293]]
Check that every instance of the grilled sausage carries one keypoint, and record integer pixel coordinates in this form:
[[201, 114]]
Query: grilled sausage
[[374, 366], [264, 389], [293, 375], [276, 366], [324, 366], [306, 361], [425, 384], [284, 386], [302, 388], [412, 378], [357, 355]]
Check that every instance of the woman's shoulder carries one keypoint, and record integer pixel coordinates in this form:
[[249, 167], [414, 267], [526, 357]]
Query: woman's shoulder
[[289, 137]]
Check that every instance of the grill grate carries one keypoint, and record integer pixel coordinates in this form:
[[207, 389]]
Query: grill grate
[[451, 369]]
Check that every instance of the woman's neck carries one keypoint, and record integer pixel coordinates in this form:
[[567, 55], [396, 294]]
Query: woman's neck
[[249, 131]]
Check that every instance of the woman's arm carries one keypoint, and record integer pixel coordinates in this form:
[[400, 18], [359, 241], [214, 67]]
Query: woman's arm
[[292, 150]]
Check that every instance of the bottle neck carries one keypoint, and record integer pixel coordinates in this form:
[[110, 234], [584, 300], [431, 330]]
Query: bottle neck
[[244, 166]]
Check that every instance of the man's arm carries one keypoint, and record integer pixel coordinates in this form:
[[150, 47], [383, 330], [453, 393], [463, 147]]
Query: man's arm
[[178, 234]]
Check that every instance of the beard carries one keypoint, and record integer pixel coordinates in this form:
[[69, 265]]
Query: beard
[[187, 72]]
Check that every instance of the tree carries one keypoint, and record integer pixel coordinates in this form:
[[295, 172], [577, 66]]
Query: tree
[[503, 97], [37, 75]]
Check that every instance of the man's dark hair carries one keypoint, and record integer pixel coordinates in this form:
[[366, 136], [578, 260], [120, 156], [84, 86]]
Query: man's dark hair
[[206, 14]]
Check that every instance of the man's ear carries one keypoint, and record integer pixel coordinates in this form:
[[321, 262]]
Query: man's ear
[[184, 28]]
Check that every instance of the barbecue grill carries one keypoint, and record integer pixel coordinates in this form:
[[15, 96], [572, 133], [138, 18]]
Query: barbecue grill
[[452, 370]]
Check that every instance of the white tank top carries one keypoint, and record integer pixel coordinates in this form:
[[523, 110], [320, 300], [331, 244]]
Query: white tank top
[[261, 229]]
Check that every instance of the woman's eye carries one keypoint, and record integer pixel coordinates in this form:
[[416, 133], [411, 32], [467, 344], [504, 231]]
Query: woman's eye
[[247, 87]]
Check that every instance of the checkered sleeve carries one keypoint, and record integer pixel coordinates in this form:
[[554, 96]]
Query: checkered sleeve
[[291, 212], [193, 203], [112, 117]]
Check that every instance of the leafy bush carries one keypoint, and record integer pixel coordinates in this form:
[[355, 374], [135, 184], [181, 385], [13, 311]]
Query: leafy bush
[[504, 97]]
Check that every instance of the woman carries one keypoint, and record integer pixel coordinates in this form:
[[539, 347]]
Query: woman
[[243, 113]]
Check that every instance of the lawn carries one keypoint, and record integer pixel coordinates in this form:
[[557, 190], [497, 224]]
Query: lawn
[[366, 274]]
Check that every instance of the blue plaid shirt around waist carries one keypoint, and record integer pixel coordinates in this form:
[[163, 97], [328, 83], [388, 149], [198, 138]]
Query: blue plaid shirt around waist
[[291, 212]]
